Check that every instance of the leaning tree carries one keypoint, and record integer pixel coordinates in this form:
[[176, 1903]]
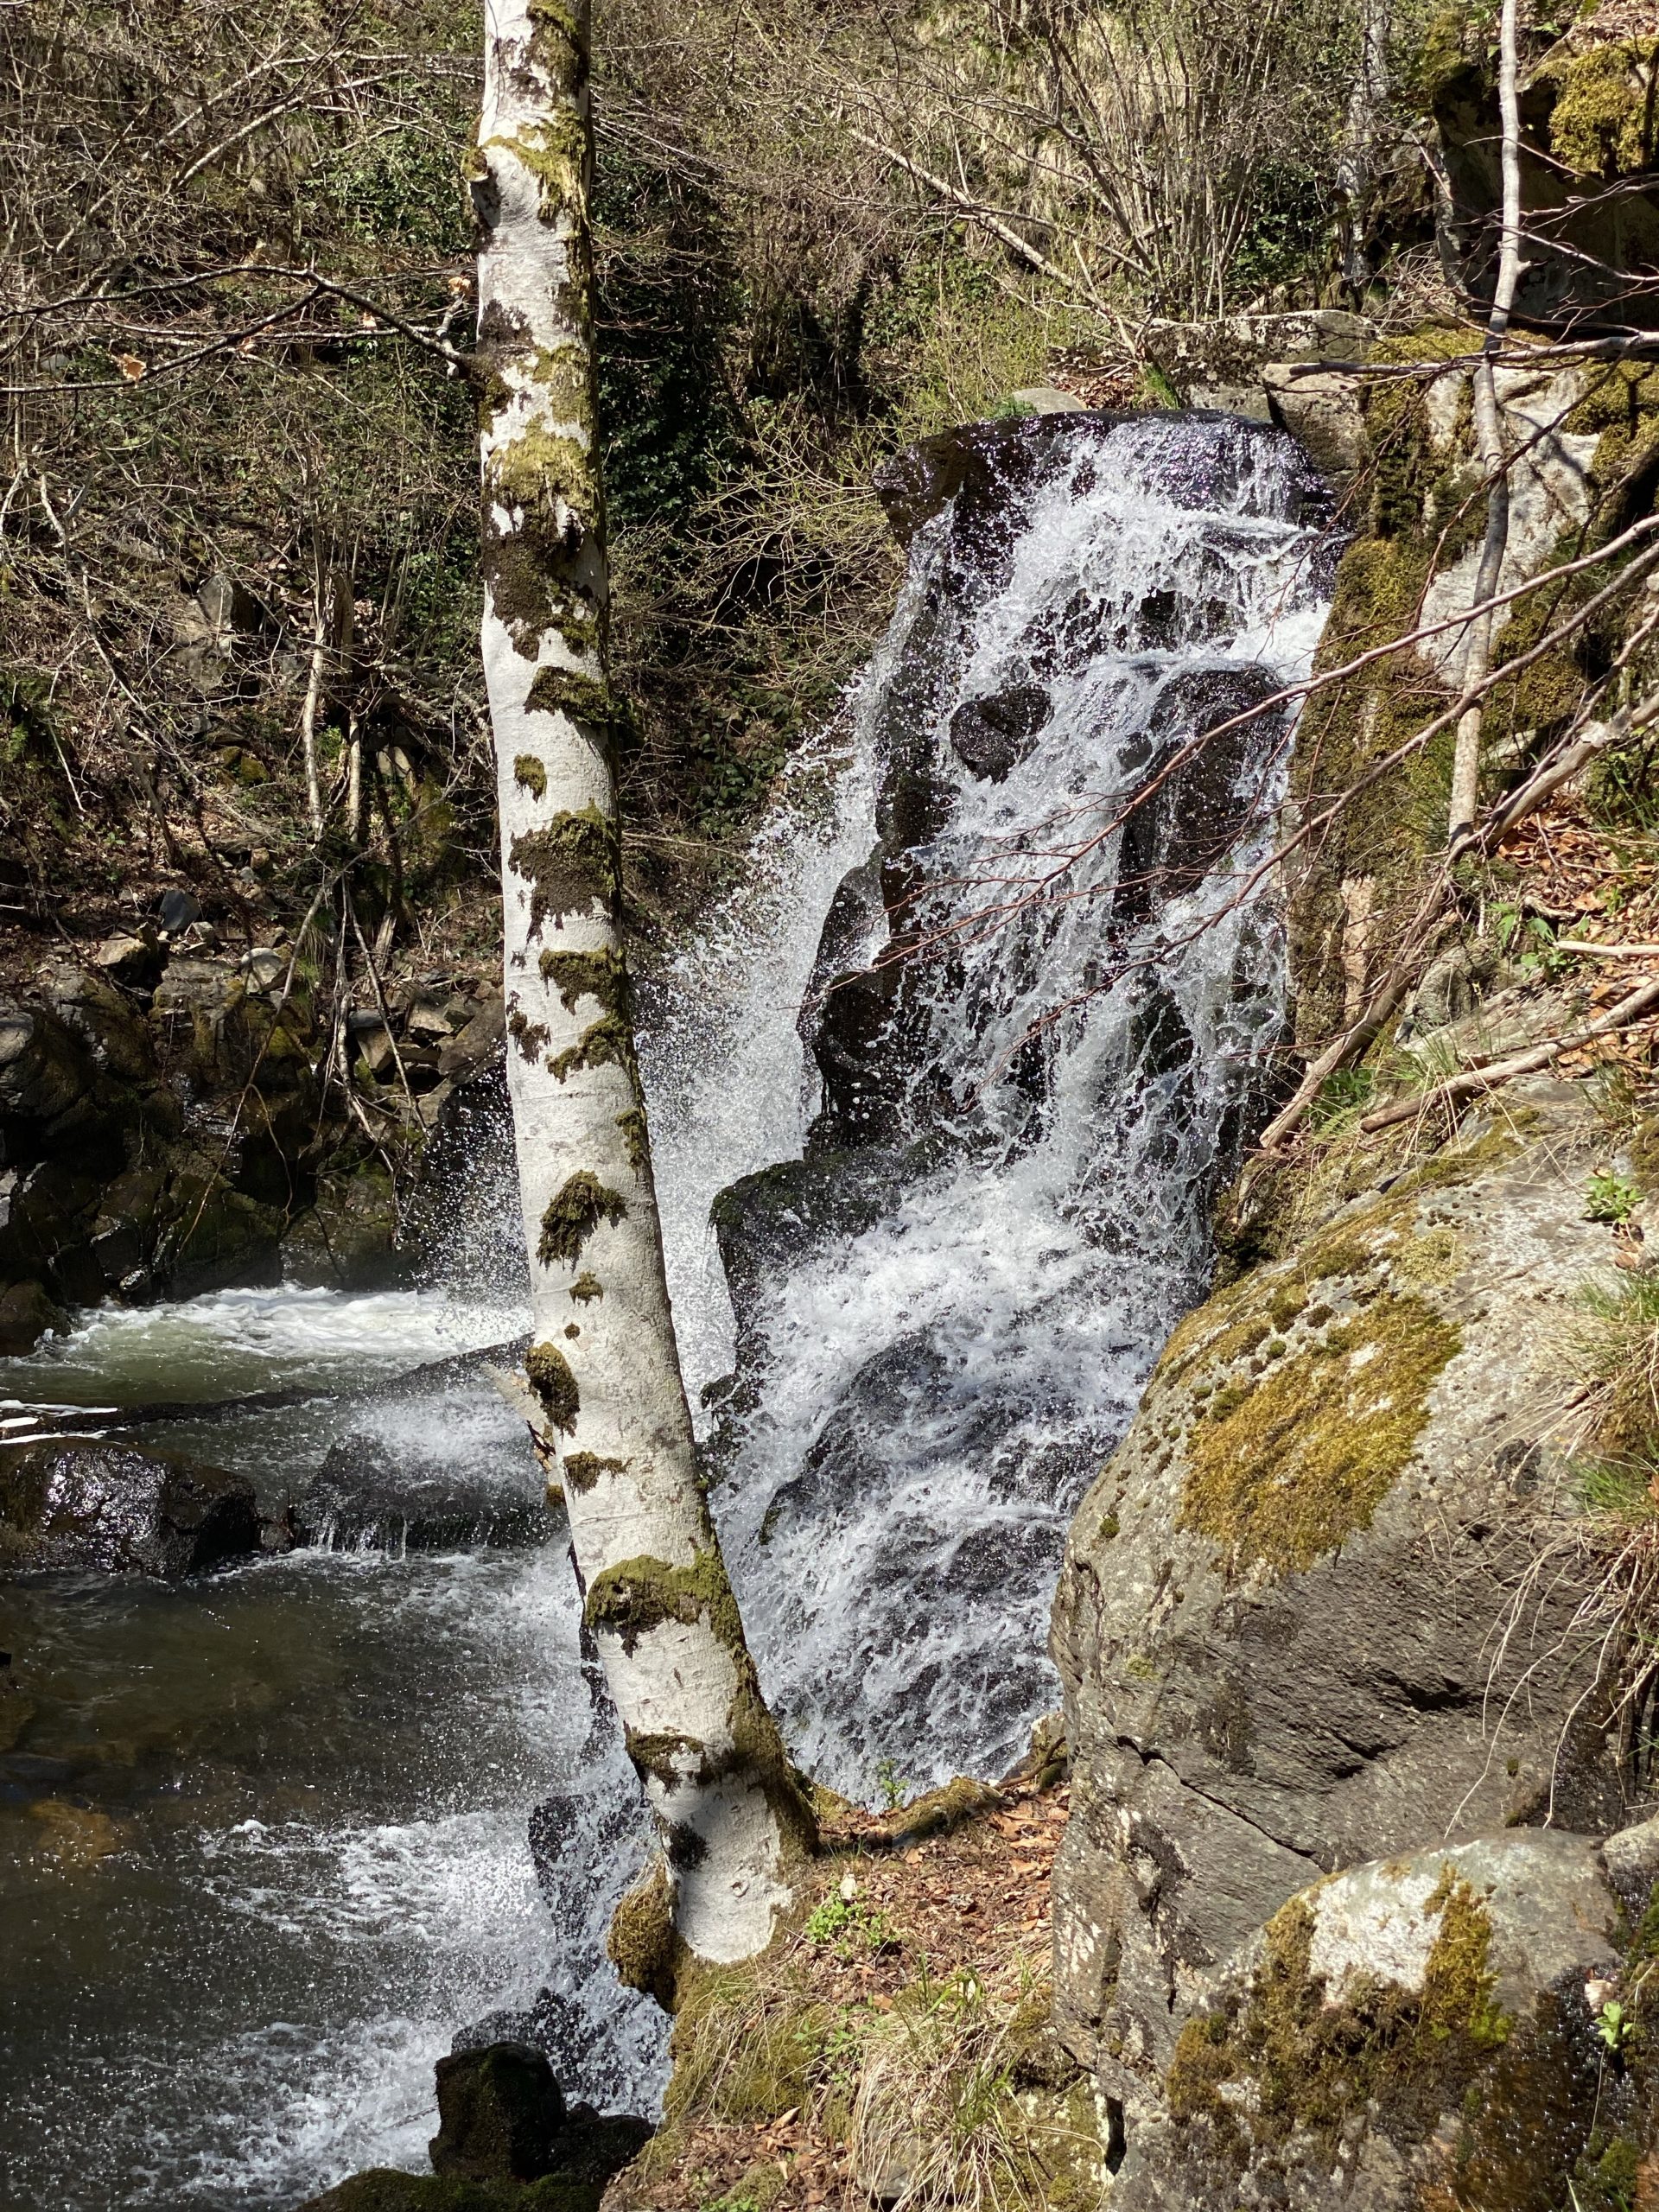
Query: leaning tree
[[734, 1829]]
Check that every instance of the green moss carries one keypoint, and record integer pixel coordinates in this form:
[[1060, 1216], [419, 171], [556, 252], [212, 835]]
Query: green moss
[[573, 1214], [573, 866], [581, 1470], [529, 1036], [530, 774], [666, 1754], [608, 1042], [643, 1943], [1602, 123], [585, 1288], [1308, 2066], [602, 976], [567, 691], [545, 471], [549, 1374], [1301, 1460], [631, 1599], [635, 1138]]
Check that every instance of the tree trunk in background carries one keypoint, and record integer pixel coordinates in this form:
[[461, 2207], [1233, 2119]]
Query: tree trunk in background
[[1355, 167], [1476, 656], [734, 1829]]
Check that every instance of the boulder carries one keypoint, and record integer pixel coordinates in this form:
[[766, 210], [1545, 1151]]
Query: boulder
[[1429, 2030], [1322, 409], [499, 2110], [360, 1500], [990, 736], [1299, 1622], [79, 1503], [27, 1315], [1221, 363]]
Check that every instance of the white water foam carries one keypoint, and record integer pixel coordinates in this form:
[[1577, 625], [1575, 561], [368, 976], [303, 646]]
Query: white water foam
[[932, 1392]]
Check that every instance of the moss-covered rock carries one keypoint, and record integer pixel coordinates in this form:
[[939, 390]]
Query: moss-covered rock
[[1421, 2031], [1280, 1621]]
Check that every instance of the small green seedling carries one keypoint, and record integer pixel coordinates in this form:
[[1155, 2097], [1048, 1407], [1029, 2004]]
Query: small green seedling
[[1608, 1197]]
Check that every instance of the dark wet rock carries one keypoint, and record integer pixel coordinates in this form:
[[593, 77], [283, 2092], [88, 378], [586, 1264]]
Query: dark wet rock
[[767, 1223], [27, 1315], [384, 2190], [984, 467], [499, 2111], [1176, 836], [108, 1506], [361, 1500], [348, 1238], [990, 736]]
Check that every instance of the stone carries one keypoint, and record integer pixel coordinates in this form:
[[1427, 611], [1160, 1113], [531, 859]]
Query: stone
[[483, 1036], [27, 1315], [361, 1500], [1418, 2030], [990, 736], [499, 2111], [348, 1238], [1321, 409], [425, 1019], [175, 910], [80, 1504], [1221, 363], [1280, 1621], [1046, 399], [129, 958], [266, 967]]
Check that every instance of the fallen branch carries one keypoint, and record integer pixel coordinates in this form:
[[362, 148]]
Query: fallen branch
[[1476, 1079]]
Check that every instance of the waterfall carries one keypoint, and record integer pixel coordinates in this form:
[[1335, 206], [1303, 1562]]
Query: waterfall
[[953, 1322], [961, 1201]]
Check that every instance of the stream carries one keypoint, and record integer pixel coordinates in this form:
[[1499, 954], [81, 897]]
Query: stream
[[265, 1837]]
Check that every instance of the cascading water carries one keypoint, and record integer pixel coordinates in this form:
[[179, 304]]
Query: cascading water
[[956, 1320], [246, 1933]]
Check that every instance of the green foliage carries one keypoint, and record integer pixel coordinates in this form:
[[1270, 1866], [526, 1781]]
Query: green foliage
[[850, 1927], [1608, 1197], [1345, 1093], [891, 1784]]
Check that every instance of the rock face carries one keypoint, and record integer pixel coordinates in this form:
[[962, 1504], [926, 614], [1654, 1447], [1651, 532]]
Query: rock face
[[1299, 1622], [106, 1507], [163, 1129], [1424, 2031]]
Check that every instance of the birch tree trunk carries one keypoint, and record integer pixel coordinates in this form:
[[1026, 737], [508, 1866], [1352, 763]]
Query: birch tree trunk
[[1476, 656], [735, 1830]]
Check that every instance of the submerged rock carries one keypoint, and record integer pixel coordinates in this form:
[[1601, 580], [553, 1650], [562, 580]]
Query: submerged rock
[[362, 1501], [1423, 2030], [107, 1507]]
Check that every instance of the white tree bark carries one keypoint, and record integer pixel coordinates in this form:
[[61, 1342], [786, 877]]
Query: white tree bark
[[735, 1827], [1476, 657]]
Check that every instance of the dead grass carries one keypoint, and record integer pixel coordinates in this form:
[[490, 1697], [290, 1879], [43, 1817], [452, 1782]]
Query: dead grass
[[899, 2036]]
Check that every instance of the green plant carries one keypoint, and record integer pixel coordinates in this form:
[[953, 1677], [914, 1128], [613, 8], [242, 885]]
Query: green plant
[[894, 1788], [1608, 1197], [1344, 1092], [850, 1925], [1614, 2024]]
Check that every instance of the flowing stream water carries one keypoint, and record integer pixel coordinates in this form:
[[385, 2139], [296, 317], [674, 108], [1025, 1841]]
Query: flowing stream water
[[265, 1837]]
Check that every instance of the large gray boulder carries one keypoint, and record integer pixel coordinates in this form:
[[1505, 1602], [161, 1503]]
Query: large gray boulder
[[1448, 2028], [1321, 1604]]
